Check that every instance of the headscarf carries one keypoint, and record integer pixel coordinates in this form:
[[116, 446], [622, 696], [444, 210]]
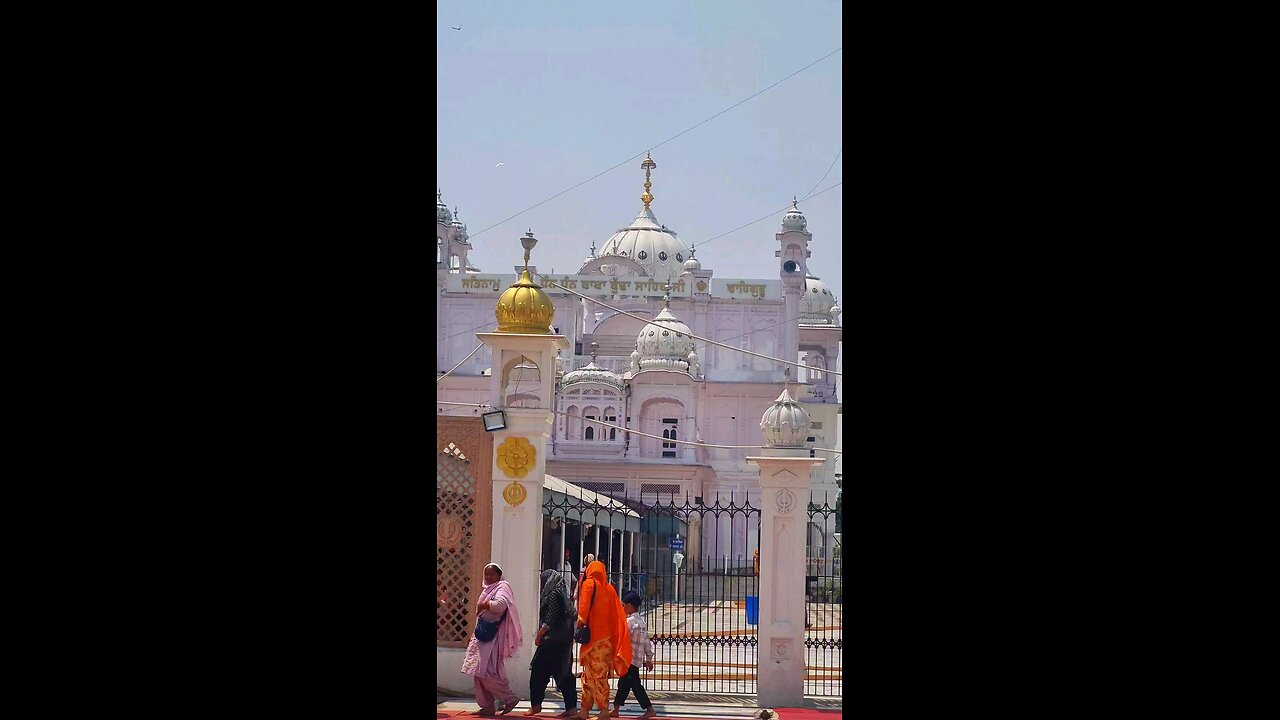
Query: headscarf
[[510, 635], [606, 619], [554, 597]]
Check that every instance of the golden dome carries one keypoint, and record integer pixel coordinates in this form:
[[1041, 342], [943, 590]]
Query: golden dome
[[525, 308]]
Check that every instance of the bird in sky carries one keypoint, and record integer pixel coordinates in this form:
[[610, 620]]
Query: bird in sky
[[456, 27], [499, 164]]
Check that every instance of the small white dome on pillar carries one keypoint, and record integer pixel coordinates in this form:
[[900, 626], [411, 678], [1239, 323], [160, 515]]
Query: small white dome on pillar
[[785, 423]]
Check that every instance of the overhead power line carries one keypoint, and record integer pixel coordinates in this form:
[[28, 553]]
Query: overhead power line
[[455, 367], [766, 217], [664, 142], [546, 281], [824, 175]]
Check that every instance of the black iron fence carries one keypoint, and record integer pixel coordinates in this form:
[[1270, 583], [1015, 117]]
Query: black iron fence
[[693, 563], [824, 600]]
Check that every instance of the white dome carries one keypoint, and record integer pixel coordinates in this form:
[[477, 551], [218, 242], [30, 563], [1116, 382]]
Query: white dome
[[785, 423], [459, 230], [693, 264], [794, 219], [442, 211], [650, 244], [665, 343], [592, 373], [816, 305]]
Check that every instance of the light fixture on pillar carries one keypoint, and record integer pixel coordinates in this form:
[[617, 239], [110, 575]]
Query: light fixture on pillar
[[496, 420]]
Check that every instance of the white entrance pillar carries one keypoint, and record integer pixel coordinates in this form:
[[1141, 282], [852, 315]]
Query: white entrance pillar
[[524, 352], [783, 524], [785, 468]]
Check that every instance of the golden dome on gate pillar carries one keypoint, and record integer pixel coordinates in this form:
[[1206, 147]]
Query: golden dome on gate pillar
[[525, 308]]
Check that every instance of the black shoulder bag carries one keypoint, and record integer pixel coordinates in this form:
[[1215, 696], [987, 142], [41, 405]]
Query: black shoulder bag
[[583, 634]]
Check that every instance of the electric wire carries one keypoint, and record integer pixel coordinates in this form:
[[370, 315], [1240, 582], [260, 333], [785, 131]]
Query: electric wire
[[664, 142], [824, 175], [766, 217], [478, 327], [455, 367], [546, 281]]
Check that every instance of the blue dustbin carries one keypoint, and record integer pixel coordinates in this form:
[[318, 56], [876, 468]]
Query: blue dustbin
[[753, 609]]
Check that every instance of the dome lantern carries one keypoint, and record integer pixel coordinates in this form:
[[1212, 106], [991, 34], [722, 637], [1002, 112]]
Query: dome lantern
[[647, 242], [459, 229], [693, 264], [592, 373], [525, 308], [665, 343], [794, 219], [818, 303], [785, 423]]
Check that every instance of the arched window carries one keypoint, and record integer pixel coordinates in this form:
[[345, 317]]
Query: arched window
[[818, 363], [610, 416], [589, 413], [572, 423]]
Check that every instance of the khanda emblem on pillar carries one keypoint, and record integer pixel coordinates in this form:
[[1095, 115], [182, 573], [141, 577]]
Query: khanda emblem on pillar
[[514, 494]]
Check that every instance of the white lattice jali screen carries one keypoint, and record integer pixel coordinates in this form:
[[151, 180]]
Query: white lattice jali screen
[[458, 526]]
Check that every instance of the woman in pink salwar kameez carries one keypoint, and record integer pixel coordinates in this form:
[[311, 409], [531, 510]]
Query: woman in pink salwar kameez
[[486, 662]]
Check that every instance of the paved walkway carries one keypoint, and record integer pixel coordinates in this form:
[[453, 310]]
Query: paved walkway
[[683, 705], [455, 708]]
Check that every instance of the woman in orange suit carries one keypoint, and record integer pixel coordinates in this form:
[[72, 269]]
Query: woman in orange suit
[[610, 645]]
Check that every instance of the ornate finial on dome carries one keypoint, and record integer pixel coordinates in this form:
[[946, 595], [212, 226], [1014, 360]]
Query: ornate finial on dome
[[666, 299], [693, 264], [794, 219], [442, 211], [527, 242], [648, 165], [785, 423], [525, 307], [594, 347]]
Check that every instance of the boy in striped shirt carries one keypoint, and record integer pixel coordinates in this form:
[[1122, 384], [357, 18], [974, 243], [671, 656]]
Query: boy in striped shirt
[[641, 653]]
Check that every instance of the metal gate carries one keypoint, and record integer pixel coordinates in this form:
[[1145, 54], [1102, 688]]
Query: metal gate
[[824, 600], [701, 615]]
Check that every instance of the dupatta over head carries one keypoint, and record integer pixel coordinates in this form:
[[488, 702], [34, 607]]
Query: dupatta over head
[[607, 619]]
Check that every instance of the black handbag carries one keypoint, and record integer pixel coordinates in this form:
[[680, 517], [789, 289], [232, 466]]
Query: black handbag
[[486, 630], [583, 634]]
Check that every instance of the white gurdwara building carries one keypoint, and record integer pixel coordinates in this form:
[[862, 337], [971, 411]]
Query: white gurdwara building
[[652, 375]]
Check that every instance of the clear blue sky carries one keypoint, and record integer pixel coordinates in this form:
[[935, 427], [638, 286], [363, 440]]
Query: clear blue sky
[[560, 91]]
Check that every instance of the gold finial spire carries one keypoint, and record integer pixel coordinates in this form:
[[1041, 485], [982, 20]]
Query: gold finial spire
[[648, 165], [525, 307]]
